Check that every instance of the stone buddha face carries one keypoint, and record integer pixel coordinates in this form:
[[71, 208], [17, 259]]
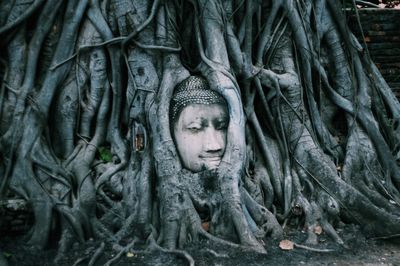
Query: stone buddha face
[[200, 120]]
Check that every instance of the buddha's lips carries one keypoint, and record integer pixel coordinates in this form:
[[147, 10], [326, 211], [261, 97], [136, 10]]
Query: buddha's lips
[[211, 158]]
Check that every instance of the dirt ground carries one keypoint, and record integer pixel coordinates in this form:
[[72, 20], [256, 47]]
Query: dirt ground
[[358, 251]]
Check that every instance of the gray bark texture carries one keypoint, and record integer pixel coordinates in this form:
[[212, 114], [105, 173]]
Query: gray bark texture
[[314, 130]]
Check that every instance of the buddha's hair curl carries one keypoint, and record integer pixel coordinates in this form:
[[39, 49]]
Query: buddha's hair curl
[[193, 90]]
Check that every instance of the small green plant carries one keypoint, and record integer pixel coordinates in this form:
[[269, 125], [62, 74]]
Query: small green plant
[[105, 154], [7, 255]]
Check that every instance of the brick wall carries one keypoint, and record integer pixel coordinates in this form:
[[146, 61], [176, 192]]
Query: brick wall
[[382, 35]]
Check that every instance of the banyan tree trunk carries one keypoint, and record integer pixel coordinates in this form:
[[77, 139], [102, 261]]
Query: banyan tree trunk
[[85, 133]]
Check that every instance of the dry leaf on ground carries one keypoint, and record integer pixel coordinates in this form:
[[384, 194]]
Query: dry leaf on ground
[[318, 230], [286, 244]]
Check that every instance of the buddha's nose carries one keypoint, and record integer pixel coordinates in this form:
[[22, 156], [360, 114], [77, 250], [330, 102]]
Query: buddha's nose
[[214, 141]]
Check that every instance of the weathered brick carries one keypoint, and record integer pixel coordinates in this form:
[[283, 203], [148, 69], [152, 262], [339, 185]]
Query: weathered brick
[[382, 37]]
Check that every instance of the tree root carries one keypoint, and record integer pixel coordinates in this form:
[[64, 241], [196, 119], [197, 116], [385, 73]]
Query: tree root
[[120, 253], [386, 237], [313, 249], [288, 69], [96, 254], [80, 260], [180, 253], [215, 254]]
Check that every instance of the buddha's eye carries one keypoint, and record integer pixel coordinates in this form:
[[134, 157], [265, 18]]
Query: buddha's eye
[[194, 128]]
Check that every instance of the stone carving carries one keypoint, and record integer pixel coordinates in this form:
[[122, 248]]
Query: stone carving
[[199, 121]]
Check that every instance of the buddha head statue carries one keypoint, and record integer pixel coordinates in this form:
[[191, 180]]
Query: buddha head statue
[[199, 122]]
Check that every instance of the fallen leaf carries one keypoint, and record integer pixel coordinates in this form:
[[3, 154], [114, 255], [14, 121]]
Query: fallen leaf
[[318, 230], [130, 254], [286, 244]]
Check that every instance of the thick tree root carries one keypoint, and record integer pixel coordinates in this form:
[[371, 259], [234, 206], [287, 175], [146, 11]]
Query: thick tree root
[[85, 132]]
